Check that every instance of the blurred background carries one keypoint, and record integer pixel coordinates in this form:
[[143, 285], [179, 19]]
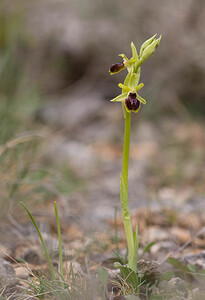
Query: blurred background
[[61, 138]]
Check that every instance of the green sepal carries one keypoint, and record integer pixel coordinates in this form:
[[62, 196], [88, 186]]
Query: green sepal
[[141, 99], [127, 79], [137, 70], [133, 82], [119, 98], [132, 79]]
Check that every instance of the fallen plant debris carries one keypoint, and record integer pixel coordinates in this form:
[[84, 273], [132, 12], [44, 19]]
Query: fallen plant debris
[[89, 254]]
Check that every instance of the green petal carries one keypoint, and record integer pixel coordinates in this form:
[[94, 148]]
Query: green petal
[[119, 98], [132, 61], [131, 64], [123, 56], [140, 86], [141, 99], [124, 88], [127, 79]]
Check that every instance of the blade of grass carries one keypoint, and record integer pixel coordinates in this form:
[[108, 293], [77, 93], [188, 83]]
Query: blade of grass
[[121, 259], [60, 244], [42, 241]]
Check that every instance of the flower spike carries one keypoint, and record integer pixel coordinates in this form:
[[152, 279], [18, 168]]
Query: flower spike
[[129, 97]]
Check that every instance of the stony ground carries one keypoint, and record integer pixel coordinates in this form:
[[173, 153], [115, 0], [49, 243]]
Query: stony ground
[[166, 190]]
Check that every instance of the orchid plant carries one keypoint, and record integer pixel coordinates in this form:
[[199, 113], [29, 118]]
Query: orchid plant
[[131, 102]]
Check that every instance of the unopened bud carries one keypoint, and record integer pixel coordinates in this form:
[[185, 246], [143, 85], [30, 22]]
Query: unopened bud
[[146, 43], [149, 50]]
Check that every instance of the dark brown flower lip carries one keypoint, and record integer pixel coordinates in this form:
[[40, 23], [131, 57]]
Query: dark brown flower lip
[[132, 103], [115, 68]]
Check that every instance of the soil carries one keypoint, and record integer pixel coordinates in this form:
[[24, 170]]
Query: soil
[[165, 190]]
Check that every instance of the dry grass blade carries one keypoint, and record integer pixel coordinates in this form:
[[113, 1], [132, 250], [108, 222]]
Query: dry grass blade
[[19, 140]]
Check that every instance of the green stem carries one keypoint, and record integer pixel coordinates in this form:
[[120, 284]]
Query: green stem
[[124, 192], [126, 148]]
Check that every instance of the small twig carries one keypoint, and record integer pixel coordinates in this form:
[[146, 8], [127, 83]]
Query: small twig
[[181, 248], [201, 231]]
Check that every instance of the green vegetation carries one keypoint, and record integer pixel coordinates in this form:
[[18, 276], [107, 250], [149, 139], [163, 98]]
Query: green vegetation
[[24, 172]]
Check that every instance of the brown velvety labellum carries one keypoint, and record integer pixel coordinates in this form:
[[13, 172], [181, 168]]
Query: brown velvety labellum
[[132, 103], [117, 67]]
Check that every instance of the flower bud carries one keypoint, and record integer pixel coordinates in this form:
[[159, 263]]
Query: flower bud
[[146, 43], [149, 50], [132, 103], [115, 68]]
